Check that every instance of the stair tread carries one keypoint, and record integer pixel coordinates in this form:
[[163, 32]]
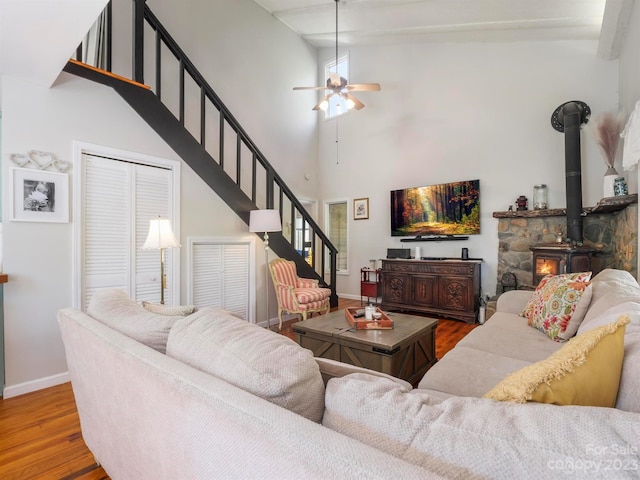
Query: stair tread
[[110, 74]]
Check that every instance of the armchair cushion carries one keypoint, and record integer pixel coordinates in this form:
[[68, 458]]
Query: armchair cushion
[[309, 295], [307, 283]]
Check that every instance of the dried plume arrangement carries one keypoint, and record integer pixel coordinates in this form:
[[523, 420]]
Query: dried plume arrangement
[[605, 129]]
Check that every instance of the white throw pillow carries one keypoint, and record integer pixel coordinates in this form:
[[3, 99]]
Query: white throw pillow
[[114, 308], [259, 361]]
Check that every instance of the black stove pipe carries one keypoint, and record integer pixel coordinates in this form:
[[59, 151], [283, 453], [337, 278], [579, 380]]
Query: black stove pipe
[[568, 118], [573, 171]]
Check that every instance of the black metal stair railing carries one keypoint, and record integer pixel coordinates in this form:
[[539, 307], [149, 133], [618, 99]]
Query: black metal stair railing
[[203, 129]]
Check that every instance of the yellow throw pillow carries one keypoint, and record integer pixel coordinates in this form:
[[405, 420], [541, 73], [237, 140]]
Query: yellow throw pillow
[[585, 371]]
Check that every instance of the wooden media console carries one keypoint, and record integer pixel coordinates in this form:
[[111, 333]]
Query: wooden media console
[[445, 287]]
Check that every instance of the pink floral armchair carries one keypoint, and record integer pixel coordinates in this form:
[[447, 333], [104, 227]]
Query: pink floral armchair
[[295, 294]]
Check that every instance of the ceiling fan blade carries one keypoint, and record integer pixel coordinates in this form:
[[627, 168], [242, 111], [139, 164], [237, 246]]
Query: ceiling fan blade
[[357, 104], [309, 88], [364, 87]]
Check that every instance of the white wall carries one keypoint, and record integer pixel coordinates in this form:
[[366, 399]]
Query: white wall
[[630, 82], [252, 61], [451, 112], [38, 256]]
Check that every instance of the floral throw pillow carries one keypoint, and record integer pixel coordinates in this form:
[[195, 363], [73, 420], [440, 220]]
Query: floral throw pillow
[[555, 303]]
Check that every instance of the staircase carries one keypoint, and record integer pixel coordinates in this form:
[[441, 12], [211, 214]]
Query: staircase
[[240, 175]]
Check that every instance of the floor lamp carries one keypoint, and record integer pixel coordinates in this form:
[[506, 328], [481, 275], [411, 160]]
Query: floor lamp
[[160, 237], [265, 221]]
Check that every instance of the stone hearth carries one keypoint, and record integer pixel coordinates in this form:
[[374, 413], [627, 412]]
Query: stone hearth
[[612, 231]]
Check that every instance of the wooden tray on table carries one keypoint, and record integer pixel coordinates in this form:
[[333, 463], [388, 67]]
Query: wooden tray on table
[[361, 323]]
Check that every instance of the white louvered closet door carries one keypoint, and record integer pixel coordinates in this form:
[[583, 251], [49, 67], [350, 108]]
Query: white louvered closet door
[[118, 200], [152, 187], [220, 276], [106, 227]]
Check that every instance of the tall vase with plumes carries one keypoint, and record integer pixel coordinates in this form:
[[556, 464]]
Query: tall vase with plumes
[[605, 129]]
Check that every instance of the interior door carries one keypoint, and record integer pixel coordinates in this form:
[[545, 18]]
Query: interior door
[[117, 198], [222, 275]]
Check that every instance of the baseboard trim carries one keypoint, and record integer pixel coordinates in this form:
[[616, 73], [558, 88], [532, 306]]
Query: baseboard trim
[[34, 385], [274, 321], [349, 296]]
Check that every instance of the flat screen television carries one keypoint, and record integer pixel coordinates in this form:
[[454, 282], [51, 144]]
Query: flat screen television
[[444, 209]]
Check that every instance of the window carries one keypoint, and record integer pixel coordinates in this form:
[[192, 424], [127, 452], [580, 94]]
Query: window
[[337, 105], [338, 232]]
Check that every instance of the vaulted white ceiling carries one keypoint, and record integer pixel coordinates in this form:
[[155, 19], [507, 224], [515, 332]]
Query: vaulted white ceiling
[[371, 22], [37, 37]]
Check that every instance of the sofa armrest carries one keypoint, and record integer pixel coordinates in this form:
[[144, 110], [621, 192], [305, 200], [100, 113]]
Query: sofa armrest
[[333, 368], [513, 301]]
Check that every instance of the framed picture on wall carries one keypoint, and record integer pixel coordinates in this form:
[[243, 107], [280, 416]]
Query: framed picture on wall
[[39, 196], [360, 208]]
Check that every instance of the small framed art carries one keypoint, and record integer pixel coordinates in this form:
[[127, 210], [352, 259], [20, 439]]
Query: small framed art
[[360, 208], [39, 196]]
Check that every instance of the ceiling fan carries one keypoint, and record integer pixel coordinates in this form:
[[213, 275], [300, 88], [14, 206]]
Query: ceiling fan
[[339, 85]]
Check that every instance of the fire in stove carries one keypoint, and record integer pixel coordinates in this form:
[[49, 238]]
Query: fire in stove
[[555, 259], [545, 266]]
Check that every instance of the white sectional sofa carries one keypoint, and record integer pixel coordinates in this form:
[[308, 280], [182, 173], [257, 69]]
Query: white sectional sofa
[[232, 400]]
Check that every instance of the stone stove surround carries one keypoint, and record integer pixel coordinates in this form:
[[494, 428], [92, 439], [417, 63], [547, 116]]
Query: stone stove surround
[[610, 229]]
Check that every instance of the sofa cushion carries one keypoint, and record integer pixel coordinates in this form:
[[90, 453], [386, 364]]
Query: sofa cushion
[[259, 361], [586, 371], [481, 438], [172, 310], [332, 368], [467, 372], [629, 391], [557, 303], [610, 288], [114, 308], [508, 335], [513, 301]]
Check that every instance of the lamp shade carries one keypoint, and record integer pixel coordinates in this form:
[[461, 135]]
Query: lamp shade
[[264, 221], [160, 235]]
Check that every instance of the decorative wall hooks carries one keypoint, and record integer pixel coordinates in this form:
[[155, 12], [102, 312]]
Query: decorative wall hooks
[[40, 161]]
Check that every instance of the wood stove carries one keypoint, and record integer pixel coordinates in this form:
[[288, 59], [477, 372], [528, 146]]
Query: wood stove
[[559, 258]]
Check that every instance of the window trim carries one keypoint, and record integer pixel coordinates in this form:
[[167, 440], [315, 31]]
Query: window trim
[[327, 68], [327, 204]]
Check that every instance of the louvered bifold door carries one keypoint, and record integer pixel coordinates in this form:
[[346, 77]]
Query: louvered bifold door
[[220, 276], [152, 198], [118, 200], [106, 233]]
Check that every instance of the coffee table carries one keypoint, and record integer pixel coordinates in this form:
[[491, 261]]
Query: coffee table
[[406, 352]]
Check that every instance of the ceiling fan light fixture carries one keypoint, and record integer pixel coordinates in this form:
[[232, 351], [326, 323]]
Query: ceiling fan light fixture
[[338, 85], [350, 104]]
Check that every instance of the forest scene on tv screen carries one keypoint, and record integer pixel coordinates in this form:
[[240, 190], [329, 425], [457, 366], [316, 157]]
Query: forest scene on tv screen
[[444, 209]]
